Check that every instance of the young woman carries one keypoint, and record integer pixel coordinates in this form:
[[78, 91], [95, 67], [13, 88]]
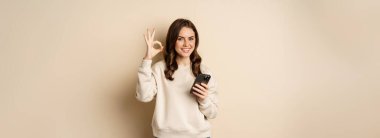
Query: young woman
[[181, 111]]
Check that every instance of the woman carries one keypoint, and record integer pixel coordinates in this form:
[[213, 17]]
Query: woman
[[181, 111]]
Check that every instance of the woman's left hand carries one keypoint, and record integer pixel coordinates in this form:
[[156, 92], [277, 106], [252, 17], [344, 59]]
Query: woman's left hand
[[201, 91]]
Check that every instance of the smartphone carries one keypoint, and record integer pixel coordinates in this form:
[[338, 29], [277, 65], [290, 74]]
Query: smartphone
[[201, 78]]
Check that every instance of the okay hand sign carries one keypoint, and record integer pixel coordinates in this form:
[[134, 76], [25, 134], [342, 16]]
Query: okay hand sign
[[150, 42]]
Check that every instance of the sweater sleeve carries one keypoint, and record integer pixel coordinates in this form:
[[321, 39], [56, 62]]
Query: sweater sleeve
[[146, 87], [209, 106]]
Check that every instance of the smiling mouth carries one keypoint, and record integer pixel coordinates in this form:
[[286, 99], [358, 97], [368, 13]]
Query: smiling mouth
[[185, 50]]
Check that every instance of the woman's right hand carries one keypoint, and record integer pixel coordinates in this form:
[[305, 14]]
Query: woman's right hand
[[150, 42]]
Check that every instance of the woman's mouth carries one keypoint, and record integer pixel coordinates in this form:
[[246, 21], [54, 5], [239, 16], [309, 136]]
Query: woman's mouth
[[185, 50]]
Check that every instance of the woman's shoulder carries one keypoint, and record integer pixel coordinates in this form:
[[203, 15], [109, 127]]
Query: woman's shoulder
[[205, 69]]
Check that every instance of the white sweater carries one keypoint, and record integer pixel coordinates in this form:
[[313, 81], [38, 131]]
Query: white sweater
[[177, 113]]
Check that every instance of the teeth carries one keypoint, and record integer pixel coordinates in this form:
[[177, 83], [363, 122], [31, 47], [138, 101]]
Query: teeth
[[185, 50]]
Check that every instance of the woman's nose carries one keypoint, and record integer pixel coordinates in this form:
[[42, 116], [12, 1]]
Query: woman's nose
[[187, 43]]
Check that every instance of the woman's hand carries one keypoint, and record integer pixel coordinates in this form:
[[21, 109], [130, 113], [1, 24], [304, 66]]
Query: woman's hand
[[151, 51], [201, 91]]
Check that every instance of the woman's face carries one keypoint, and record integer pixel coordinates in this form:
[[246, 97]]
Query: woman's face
[[185, 43]]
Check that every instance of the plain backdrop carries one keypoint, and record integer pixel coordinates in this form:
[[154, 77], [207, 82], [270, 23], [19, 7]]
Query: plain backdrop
[[285, 68]]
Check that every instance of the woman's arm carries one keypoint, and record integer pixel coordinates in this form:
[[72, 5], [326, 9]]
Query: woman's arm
[[207, 98], [146, 87]]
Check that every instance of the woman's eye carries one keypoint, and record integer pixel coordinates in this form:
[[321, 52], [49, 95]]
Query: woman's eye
[[179, 39], [191, 38]]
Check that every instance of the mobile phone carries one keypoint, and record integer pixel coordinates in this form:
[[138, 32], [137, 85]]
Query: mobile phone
[[201, 78]]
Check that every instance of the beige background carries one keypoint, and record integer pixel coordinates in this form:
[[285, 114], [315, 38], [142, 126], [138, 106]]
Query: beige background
[[286, 69]]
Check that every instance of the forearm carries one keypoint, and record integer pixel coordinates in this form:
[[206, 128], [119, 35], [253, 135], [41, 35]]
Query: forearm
[[146, 88], [209, 107]]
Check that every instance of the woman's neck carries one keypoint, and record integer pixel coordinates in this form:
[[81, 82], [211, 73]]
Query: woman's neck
[[183, 61]]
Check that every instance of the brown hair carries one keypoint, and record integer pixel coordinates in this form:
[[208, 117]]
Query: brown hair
[[170, 54]]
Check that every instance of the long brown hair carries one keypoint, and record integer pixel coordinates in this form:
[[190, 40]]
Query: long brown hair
[[170, 54]]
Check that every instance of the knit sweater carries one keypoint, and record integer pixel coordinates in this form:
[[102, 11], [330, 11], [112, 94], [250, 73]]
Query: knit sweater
[[177, 114]]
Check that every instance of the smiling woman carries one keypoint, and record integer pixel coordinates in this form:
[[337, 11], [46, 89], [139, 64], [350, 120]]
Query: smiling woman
[[177, 113], [181, 45], [185, 42]]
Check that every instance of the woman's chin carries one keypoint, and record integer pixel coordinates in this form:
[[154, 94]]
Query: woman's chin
[[184, 55]]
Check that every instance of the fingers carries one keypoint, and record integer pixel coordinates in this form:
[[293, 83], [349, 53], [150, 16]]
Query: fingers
[[159, 43], [200, 89], [205, 86], [146, 39], [199, 95], [154, 32], [149, 39], [149, 34], [196, 90]]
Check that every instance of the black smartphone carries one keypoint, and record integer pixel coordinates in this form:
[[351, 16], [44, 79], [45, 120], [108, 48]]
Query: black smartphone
[[201, 78]]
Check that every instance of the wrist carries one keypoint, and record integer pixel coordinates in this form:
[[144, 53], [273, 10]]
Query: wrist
[[202, 101], [147, 58]]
